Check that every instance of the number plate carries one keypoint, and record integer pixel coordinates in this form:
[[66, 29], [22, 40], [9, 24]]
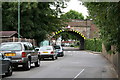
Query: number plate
[[10, 54], [45, 52]]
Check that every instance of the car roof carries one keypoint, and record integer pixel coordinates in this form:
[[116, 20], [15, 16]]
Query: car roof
[[15, 42]]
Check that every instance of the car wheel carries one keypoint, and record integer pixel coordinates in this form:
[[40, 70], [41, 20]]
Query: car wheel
[[9, 73], [62, 55], [56, 57], [37, 64], [53, 57], [15, 66], [27, 65]]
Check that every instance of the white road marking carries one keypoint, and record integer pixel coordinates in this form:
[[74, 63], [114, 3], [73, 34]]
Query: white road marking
[[78, 74]]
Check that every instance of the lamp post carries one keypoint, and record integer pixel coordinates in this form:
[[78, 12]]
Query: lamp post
[[18, 20]]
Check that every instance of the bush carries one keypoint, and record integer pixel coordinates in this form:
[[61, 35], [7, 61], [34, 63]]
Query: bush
[[93, 44], [107, 46]]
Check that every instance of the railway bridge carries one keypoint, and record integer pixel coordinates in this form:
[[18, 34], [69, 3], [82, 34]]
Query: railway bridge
[[82, 29]]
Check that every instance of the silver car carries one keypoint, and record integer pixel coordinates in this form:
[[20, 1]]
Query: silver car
[[48, 51], [21, 53]]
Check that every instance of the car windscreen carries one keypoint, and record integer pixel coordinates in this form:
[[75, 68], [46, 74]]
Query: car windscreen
[[45, 48], [10, 46], [57, 47]]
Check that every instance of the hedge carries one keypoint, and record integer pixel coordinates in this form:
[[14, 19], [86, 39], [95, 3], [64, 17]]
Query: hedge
[[93, 44]]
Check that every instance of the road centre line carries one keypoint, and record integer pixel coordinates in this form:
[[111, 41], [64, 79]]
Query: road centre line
[[78, 74]]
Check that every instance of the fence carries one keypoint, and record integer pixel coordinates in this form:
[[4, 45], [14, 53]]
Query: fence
[[14, 39]]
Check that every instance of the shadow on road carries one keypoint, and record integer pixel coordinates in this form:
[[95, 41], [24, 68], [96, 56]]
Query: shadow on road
[[47, 59], [18, 69], [71, 49], [22, 69]]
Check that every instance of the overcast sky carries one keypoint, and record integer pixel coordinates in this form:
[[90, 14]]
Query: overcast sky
[[75, 5]]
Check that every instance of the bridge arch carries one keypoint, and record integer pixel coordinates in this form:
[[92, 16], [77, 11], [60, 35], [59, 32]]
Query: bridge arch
[[79, 35]]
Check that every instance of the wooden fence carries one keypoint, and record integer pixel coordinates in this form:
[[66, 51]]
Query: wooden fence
[[14, 39]]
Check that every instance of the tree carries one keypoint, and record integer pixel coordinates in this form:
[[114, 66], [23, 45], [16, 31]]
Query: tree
[[72, 15], [66, 36], [37, 19], [106, 16]]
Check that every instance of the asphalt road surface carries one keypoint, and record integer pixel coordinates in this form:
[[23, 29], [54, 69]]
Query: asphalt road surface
[[75, 64]]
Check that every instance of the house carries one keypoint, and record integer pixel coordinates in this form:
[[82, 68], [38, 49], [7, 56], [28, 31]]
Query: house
[[8, 34], [11, 36]]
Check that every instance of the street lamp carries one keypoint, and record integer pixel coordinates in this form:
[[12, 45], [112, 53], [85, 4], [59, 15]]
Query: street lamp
[[18, 20]]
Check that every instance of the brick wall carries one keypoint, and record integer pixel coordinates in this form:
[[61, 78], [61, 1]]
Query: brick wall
[[86, 27], [113, 58]]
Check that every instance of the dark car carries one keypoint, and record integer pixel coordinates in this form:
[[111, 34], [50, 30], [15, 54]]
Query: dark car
[[59, 50], [21, 53], [5, 65]]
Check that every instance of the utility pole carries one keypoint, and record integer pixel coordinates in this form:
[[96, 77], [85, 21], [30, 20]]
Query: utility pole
[[18, 20]]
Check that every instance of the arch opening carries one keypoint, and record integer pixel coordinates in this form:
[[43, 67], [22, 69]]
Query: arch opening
[[81, 38]]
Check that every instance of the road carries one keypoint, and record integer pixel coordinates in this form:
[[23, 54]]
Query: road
[[75, 64]]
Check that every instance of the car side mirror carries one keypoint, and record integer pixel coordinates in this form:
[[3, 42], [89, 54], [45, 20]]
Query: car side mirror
[[37, 49]]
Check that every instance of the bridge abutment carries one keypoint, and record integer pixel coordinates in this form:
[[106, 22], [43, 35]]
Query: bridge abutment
[[81, 44]]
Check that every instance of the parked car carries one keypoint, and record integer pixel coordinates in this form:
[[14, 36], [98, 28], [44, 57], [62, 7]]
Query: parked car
[[67, 44], [5, 65], [21, 53], [48, 52], [59, 50]]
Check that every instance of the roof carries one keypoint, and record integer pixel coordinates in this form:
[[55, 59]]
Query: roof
[[7, 33], [14, 42], [67, 41]]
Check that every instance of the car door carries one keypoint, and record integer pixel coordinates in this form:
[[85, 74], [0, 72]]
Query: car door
[[5, 64], [1, 70], [33, 52]]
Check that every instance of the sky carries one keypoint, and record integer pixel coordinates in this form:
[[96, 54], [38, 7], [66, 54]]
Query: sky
[[75, 5]]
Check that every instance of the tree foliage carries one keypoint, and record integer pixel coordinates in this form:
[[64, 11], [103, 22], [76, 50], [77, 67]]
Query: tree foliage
[[91, 43], [36, 19], [72, 15], [67, 36], [106, 16]]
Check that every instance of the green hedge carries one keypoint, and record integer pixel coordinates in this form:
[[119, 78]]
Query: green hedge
[[93, 44]]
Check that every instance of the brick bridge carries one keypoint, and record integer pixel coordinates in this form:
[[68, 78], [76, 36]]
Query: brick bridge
[[82, 29], [85, 27]]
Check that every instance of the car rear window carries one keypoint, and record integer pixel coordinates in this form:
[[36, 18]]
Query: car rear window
[[57, 47], [45, 48], [10, 46]]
